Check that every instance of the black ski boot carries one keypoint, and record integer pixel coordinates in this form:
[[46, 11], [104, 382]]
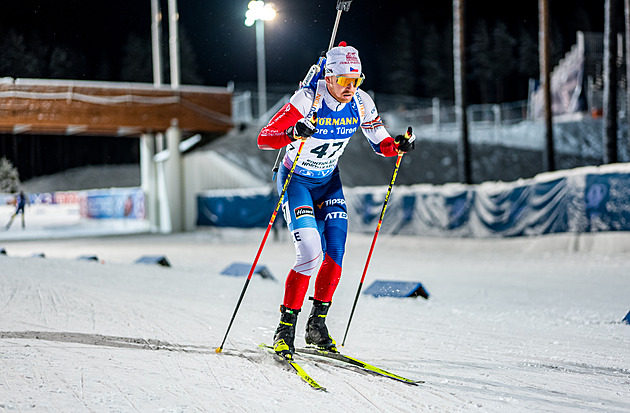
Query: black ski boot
[[283, 340], [316, 330]]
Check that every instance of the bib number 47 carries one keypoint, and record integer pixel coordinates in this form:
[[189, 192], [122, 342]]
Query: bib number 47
[[322, 150]]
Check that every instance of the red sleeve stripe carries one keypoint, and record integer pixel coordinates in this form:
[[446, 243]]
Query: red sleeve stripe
[[376, 123]]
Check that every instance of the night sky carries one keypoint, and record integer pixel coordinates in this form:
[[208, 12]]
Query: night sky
[[226, 49]]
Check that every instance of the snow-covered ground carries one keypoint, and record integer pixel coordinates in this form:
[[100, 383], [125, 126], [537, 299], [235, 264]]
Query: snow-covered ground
[[512, 325]]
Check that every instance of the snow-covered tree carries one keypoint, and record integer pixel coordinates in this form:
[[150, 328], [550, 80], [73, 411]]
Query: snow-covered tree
[[9, 177]]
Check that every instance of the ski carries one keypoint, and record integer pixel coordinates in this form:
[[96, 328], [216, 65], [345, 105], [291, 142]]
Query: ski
[[295, 366], [323, 354]]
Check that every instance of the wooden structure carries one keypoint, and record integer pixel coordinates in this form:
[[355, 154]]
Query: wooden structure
[[70, 107], [159, 116]]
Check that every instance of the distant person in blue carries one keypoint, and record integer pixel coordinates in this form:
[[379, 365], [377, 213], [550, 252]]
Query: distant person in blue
[[20, 203]]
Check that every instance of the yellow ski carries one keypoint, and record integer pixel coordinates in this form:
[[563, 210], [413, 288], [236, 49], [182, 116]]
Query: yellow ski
[[323, 354], [295, 366]]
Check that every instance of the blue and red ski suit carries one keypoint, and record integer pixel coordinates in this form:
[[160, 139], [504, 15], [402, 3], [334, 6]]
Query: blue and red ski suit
[[314, 205]]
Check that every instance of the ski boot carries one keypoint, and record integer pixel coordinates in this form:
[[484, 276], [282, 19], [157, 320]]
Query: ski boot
[[316, 330], [284, 338]]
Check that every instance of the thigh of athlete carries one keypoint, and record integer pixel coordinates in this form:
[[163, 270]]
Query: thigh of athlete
[[331, 214], [299, 213]]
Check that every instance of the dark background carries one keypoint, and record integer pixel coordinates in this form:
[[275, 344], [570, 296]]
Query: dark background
[[98, 36], [405, 47]]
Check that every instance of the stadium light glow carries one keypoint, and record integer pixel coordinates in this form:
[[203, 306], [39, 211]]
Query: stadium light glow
[[258, 10]]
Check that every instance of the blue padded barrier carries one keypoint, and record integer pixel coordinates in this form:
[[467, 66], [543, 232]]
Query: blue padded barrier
[[241, 269], [154, 259], [386, 288]]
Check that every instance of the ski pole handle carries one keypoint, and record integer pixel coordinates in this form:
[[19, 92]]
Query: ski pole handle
[[408, 133], [405, 142], [344, 5]]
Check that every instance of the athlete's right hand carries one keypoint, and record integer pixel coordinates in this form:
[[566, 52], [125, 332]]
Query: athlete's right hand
[[303, 129]]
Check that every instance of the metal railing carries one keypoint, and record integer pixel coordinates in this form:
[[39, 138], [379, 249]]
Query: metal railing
[[418, 111]]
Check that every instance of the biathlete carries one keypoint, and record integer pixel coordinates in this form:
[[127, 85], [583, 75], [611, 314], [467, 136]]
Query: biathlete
[[325, 116]]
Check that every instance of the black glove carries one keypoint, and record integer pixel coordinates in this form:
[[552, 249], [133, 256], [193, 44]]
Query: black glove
[[404, 143], [303, 129]]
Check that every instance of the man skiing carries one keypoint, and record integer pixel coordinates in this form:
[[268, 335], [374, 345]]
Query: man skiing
[[324, 116], [20, 203]]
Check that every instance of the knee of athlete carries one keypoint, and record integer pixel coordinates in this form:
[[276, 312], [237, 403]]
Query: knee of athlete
[[308, 250]]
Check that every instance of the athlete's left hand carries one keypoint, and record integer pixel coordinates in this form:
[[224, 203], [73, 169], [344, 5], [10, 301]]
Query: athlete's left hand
[[404, 143]]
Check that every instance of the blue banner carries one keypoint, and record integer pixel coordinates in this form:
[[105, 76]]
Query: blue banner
[[583, 200], [238, 208]]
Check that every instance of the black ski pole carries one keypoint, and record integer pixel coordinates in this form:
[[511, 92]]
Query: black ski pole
[[378, 228]]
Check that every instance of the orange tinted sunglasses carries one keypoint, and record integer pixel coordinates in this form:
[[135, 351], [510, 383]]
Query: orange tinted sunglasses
[[345, 81]]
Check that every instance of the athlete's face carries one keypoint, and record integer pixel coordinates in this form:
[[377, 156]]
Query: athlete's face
[[344, 87]]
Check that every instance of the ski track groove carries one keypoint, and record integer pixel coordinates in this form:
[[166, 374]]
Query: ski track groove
[[392, 387], [154, 327], [126, 398], [220, 387], [137, 330], [295, 381], [51, 295], [344, 375], [226, 396], [47, 382], [366, 398], [76, 395], [11, 392], [257, 366], [9, 300], [42, 313], [179, 368], [92, 315], [178, 330]]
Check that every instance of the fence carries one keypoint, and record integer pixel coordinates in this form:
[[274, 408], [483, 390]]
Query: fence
[[416, 111]]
